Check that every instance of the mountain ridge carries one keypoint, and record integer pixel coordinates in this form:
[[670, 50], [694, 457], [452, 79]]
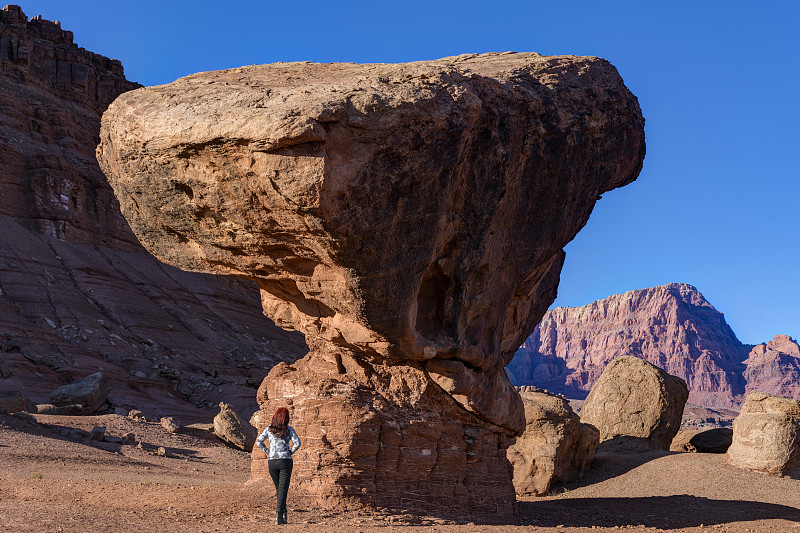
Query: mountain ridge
[[672, 326]]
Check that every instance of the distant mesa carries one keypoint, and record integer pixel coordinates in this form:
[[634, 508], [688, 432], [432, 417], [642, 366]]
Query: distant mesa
[[409, 219], [673, 327]]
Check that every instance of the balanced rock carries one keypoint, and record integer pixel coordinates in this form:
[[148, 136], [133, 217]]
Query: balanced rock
[[233, 429], [766, 435], [555, 447], [15, 401], [636, 405], [409, 219], [90, 392]]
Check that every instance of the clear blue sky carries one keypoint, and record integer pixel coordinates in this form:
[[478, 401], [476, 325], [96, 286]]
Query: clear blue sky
[[718, 81]]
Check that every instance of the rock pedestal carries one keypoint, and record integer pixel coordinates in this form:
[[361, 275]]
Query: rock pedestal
[[766, 435], [555, 447], [409, 219], [635, 405]]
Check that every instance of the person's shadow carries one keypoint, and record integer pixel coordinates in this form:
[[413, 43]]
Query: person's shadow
[[665, 512]]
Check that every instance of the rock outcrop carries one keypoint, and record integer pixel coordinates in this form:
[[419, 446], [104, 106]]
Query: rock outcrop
[[766, 435], [635, 405], [409, 219], [555, 447], [671, 326], [233, 429], [77, 291]]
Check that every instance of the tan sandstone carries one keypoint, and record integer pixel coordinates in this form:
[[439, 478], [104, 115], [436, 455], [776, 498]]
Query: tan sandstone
[[408, 219], [635, 405], [766, 435], [555, 447]]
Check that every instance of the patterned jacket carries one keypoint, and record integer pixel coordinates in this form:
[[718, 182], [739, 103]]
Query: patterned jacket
[[279, 447]]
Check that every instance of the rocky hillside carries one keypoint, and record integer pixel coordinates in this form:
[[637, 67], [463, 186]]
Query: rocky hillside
[[77, 291], [672, 326]]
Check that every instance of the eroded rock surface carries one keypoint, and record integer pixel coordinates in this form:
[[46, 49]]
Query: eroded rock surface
[[408, 218], [766, 435], [555, 447], [635, 405]]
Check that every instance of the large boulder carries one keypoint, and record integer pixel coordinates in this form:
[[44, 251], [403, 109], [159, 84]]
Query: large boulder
[[766, 435], [15, 401], [233, 429], [555, 447], [90, 392], [635, 405], [409, 219]]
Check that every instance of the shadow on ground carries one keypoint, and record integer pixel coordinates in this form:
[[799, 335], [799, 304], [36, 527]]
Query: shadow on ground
[[666, 512]]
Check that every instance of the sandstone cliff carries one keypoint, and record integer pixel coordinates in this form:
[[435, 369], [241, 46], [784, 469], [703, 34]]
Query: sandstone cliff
[[77, 291], [409, 219], [671, 326]]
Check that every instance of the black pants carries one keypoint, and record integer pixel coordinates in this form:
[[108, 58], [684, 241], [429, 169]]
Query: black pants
[[280, 470]]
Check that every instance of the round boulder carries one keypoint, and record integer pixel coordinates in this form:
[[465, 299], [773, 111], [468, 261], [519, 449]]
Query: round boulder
[[766, 435], [635, 405]]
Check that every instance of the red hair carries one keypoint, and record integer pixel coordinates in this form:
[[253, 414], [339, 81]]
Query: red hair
[[280, 422]]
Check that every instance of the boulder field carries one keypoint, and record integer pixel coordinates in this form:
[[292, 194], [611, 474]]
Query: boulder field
[[409, 219]]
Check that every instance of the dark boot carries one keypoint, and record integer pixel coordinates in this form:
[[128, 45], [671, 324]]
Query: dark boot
[[278, 519], [283, 518]]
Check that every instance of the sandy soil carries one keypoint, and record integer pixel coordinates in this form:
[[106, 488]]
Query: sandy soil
[[53, 482]]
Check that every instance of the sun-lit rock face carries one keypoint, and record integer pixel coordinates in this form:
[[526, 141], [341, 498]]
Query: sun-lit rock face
[[409, 216]]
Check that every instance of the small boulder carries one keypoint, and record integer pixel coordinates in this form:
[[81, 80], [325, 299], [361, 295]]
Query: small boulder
[[128, 438], [713, 440], [90, 392], [98, 433], [635, 405], [766, 435], [15, 401], [162, 452], [231, 428], [169, 424], [555, 446], [137, 415]]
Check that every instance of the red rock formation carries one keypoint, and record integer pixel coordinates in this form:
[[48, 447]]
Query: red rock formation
[[77, 291], [409, 219], [671, 326]]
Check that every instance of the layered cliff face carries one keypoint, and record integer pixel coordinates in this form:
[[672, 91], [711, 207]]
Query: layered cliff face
[[409, 219], [671, 326], [77, 291], [774, 368]]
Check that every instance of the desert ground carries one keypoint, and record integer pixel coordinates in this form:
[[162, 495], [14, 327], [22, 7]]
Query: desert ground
[[53, 481]]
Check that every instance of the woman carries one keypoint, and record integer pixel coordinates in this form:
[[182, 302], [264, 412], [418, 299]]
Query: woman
[[283, 442]]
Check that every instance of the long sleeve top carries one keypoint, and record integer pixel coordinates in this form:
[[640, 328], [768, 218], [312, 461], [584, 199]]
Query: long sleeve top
[[279, 447]]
